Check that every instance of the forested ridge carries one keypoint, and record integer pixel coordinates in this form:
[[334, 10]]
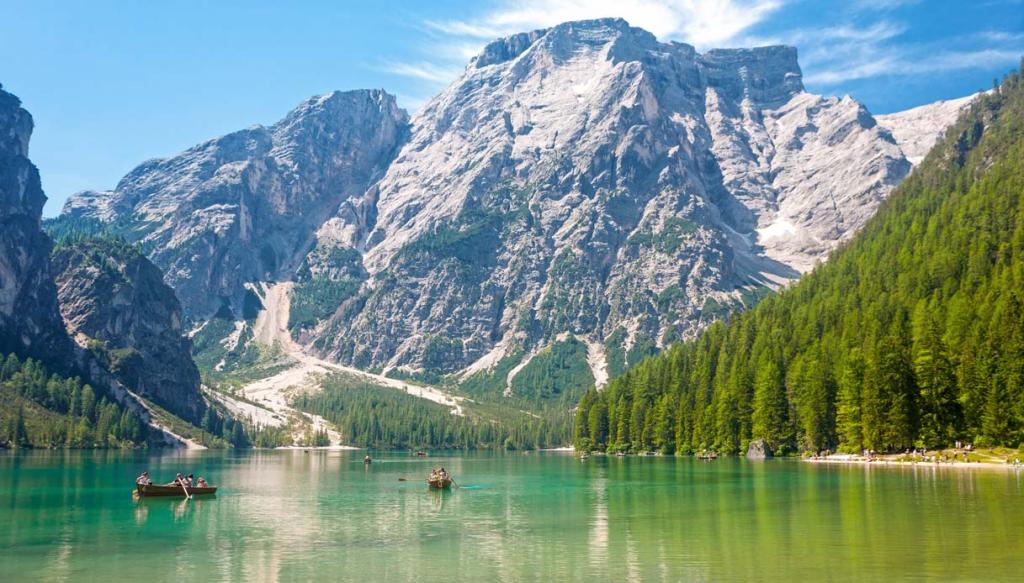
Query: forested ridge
[[911, 335], [48, 410], [371, 416]]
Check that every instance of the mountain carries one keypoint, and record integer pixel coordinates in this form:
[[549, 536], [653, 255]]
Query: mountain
[[579, 198], [245, 207], [30, 322], [116, 304], [912, 334], [39, 405], [590, 180], [916, 130]]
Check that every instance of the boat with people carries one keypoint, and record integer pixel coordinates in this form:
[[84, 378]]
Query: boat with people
[[439, 479], [181, 486], [176, 490], [707, 455]]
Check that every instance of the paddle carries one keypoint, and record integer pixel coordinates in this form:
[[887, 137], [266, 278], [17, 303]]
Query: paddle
[[187, 495]]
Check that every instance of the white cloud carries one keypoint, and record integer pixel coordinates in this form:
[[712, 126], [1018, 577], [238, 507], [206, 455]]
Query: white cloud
[[422, 70], [704, 23], [883, 5], [862, 40], [905, 64]]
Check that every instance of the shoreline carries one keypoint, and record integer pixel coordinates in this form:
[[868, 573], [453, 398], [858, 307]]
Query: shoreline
[[335, 447], [862, 461]]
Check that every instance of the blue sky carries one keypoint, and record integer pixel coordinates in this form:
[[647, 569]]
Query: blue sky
[[111, 84]]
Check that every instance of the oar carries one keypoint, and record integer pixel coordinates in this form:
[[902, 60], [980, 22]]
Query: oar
[[187, 495], [454, 482]]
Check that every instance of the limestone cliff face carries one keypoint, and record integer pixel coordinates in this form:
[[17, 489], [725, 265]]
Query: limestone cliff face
[[29, 319], [244, 207], [116, 305]]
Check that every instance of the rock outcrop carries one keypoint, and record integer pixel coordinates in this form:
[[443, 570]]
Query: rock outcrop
[[30, 322], [116, 305], [759, 450]]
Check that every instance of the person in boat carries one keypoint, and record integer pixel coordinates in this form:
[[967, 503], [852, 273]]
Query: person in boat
[[143, 479], [190, 481], [443, 474], [202, 483], [178, 480]]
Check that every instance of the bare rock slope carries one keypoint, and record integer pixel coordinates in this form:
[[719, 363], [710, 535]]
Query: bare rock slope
[[30, 322]]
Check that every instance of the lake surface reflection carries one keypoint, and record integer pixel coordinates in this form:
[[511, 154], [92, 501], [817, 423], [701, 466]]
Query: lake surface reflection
[[322, 515]]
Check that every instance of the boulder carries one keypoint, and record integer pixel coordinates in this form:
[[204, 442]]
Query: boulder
[[759, 450]]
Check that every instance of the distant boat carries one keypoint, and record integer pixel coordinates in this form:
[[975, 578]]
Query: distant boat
[[437, 482], [154, 490], [367, 460], [707, 456], [421, 453]]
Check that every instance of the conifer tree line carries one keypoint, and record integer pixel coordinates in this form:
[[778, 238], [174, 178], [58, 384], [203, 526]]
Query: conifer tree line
[[911, 335], [44, 410], [370, 416]]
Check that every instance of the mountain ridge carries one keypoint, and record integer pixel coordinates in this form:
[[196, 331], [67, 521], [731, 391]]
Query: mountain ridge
[[583, 180]]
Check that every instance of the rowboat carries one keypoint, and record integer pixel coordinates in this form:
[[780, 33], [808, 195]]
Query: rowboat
[[439, 483], [151, 490]]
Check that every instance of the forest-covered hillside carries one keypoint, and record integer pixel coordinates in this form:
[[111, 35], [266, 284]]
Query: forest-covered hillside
[[911, 335], [48, 410]]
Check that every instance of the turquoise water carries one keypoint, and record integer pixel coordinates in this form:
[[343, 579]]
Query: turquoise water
[[296, 516]]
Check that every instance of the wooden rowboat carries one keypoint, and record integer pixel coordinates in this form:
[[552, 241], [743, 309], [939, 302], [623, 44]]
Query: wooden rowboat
[[151, 490], [439, 483]]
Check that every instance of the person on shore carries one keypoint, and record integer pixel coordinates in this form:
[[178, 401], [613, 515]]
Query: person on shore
[[143, 479]]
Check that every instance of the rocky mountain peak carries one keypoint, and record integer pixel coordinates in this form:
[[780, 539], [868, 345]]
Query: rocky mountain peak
[[244, 207], [565, 40], [766, 75]]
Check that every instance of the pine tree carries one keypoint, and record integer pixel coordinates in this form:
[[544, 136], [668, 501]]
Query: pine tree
[[770, 416], [941, 415], [848, 412]]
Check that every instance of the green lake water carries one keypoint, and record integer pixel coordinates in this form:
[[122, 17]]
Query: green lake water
[[297, 516]]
